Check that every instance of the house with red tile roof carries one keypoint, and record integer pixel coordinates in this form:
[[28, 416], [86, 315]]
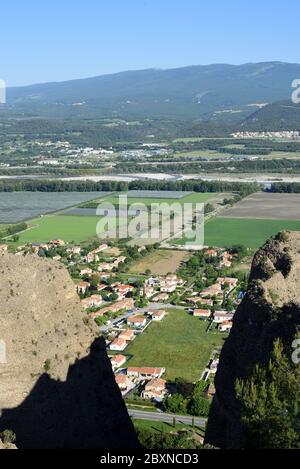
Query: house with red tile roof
[[231, 281], [123, 382], [211, 253], [158, 315], [82, 287], [202, 313], [86, 271], [118, 360], [161, 297], [93, 301], [126, 304], [118, 345], [122, 290], [222, 316], [155, 389], [225, 326], [127, 335], [145, 372], [137, 321], [213, 290]]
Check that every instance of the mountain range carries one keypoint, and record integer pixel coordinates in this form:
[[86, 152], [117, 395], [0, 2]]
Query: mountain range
[[221, 93]]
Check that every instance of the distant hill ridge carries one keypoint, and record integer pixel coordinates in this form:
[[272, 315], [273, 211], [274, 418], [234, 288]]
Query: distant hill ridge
[[219, 92]]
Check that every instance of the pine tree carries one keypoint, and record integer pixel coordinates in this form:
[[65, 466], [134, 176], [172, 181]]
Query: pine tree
[[270, 402]]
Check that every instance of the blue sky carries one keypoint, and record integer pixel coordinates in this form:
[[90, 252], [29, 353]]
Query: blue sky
[[59, 40]]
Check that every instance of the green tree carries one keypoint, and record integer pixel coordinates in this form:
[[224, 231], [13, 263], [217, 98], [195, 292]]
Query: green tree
[[176, 404], [270, 401]]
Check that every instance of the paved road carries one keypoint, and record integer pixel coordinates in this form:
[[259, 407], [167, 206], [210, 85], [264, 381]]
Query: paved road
[[167, 418]]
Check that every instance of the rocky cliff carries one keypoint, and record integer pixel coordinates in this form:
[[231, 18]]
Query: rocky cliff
[[57, 388], [270, 310]]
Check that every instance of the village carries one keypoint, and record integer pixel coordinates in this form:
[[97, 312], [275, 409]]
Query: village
[[125, 307]]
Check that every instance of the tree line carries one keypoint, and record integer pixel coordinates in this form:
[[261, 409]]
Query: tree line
[[13, 185]]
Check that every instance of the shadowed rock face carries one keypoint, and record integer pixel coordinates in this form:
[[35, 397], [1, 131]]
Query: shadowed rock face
[[85, 411], [77, 403], [270, 310]]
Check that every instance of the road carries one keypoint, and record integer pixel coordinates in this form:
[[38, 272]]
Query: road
[[167, 418]]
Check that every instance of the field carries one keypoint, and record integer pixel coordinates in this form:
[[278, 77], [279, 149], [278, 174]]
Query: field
[[147, 199], [18, 206], [267, 206], [179, 343], [68, 228], [159, 262], [251, 232]]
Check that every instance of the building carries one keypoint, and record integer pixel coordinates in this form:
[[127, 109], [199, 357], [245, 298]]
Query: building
[[118, 360], [118, 345], [145, 372], [101, 248], [93, 255], [225, 326], [82, 287], [3, 248], [86, 272], [119, 260], [211, 391], [137, 321], [222, 316], [127, 335], [93, 301], [232, 282], [155, 389], [122, 290], [213, 290], [225, 259], [211, 253], [168, 287], [75, 250], [123, 382], [158, 315], [126, 304], [148, 292], [57, 242], [105, 267], [202, 313], [160, 298]]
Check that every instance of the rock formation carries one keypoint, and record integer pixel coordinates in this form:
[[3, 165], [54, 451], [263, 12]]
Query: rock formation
[[57, 388], [270, 310]]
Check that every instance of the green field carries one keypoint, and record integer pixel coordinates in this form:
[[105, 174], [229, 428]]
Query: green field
[[147, 201], [68, 228], [179, 343], [251, 232]]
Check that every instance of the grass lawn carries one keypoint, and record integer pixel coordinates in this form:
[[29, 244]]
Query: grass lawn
[[250, 232], [179, 343], [68, 228], [163, 426]]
